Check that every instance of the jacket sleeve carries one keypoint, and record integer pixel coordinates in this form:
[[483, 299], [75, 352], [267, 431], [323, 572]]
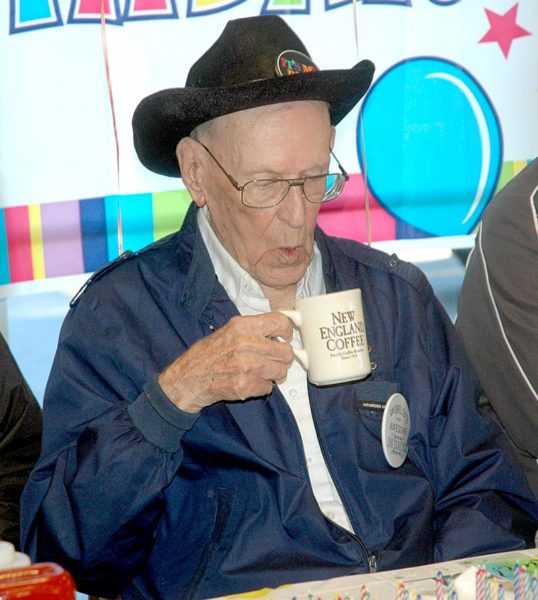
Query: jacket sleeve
[[498, 314], [483, 503], [111, 446], [20, 439]]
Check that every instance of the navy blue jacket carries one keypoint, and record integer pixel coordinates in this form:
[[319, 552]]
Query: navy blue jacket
[[133, 495]]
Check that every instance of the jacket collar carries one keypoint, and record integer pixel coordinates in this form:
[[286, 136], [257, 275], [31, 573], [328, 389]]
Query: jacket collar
[[201, 284]]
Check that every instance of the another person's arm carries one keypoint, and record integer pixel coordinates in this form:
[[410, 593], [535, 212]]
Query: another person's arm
[[20, 438], [498, 313]]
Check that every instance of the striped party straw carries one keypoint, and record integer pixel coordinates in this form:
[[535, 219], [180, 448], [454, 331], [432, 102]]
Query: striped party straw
[[488, 589], [494, 588], [527, 582], [519, 587], [534, 587], [480, 584], [439, 586]]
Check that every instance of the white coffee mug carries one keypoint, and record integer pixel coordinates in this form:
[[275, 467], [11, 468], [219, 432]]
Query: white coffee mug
[[335, 348]]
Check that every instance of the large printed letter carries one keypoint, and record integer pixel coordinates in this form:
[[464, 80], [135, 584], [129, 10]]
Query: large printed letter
[[89, 11], [286, 7], [25, 15], [137, 10], [196, 8], [330, 4]]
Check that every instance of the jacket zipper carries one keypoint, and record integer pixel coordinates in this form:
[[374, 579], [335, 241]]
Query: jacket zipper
[[369, 559]]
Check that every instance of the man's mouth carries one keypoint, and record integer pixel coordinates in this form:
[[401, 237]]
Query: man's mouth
[[290, 253]]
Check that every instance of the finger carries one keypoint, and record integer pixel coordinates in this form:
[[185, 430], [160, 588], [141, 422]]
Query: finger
[[287, 332], [258, 369], [280, 325], [270, 325], [274, 371], [278, 350], [249, 385]]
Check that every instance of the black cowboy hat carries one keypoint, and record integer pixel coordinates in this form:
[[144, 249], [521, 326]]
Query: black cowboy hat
[[256, 61]]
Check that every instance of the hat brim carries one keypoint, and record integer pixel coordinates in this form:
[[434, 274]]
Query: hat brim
[[164, 118]]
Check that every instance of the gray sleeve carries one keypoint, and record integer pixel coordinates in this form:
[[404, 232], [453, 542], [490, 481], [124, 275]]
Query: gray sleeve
[[498, 309]]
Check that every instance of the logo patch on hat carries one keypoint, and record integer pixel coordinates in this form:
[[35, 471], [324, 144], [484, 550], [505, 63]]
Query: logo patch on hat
[[292, 62]]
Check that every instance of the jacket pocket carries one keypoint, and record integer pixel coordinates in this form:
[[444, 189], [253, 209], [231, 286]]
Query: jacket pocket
[[208, 561], [370, 401]]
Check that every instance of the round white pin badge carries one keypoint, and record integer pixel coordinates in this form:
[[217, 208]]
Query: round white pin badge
[[395, 430]]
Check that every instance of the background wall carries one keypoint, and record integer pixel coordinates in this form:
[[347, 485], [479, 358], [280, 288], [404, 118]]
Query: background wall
[[452, 115]]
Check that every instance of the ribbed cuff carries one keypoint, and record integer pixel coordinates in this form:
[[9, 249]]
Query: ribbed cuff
[[158, 419]]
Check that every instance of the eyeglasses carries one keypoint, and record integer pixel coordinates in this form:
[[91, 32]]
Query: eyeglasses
[[266, 193]]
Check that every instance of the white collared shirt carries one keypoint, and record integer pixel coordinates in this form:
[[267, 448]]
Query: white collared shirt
[[249, 299]]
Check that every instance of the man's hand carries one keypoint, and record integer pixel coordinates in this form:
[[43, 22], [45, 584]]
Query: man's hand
[[239, 361]]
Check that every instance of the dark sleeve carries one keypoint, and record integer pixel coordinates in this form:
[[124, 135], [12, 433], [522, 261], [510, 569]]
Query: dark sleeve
[[483, 503], [111, 446], [20, 439], [498, 313]]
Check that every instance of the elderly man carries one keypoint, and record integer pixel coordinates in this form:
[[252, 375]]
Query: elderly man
[[185, 454]]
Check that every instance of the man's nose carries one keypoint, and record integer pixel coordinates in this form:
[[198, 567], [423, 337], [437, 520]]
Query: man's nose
[[292, 208]]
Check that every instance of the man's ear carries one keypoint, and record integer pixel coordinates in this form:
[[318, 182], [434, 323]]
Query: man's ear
[[333, 136], [191, 173]]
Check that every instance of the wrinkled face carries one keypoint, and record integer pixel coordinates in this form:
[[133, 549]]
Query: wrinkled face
[[289, 140]]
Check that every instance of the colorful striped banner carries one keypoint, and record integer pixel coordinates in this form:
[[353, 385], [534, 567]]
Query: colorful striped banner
[[93, 231], [510, 169], [4, 260], [79, 236], [169, 210], [137, 220], [62, 242], [18, 242], [36, 240]]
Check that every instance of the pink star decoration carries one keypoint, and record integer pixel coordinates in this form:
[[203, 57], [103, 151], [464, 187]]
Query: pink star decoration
[[503, 29]]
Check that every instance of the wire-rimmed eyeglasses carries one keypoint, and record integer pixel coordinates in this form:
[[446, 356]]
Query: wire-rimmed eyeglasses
[[266, 193]]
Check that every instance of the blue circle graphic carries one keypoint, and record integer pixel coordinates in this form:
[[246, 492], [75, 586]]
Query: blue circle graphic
[[430, 144]]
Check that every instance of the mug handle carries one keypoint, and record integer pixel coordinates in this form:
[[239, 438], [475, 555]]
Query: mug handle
[[295, 317]]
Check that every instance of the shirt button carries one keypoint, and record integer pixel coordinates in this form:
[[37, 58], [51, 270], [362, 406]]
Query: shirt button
[[330, 515], [309, 460], [293, 393]]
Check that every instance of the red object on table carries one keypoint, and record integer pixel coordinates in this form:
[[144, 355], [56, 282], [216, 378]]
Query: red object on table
[[42, 581]]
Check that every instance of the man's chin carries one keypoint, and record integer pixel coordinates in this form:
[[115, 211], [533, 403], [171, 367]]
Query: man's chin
[[283, 275]]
